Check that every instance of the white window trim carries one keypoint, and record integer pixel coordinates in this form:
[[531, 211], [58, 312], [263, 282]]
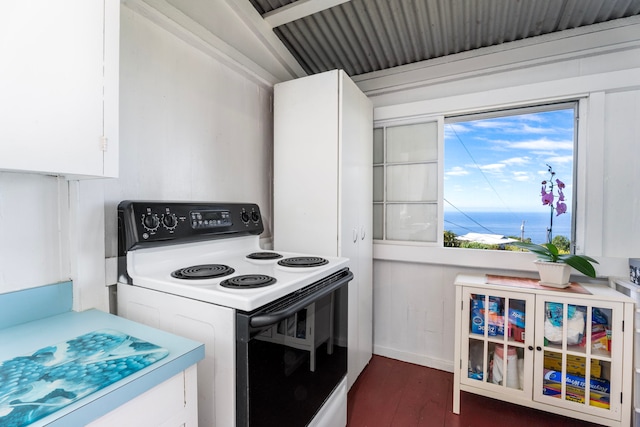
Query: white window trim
[[409, 121], [436, 253]]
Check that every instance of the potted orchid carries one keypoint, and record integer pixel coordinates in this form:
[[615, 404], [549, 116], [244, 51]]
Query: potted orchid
[[555, 267]]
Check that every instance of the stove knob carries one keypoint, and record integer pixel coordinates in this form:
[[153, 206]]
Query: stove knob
[[150, 222], [255, 217], [169, 221], [244, 216]]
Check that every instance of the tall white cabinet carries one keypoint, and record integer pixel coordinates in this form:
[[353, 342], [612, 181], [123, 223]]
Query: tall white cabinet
[[323, 136], [59, 85]]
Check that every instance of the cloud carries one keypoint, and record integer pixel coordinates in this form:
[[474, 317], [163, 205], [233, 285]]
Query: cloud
[[457, 171], [542, 144], [560, 159], [517, 161], [521, 176], [493, 167]]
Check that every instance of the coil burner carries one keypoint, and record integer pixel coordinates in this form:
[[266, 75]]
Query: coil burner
[[248, 281], [264, 255], [302, 262], [205, 271]]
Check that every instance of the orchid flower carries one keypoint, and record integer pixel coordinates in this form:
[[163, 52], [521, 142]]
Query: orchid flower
[[549, 196]]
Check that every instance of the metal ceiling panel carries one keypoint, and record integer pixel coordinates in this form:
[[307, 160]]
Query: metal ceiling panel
[[361, 36]]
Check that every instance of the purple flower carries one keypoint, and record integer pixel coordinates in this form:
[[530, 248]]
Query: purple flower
[[549, 196], [560, 196]]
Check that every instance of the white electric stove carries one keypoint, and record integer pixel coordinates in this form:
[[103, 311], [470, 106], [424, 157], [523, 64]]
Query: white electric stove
[[273, 323]]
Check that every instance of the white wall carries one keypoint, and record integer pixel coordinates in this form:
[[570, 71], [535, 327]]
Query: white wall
[[192, 127], [413, 285], [33, 231]]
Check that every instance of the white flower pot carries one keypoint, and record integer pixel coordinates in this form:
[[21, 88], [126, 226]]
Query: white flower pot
[[553, 274]]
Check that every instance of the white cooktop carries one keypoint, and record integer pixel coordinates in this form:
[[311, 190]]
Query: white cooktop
[[152, 267]]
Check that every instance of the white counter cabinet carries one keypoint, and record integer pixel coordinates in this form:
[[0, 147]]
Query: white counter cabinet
[[170, 404], [323, 139], [534, 346], [59, 85]]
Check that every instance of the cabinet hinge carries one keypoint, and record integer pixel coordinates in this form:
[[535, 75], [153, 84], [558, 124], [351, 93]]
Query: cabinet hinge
[[104, 142], [461, 305], [623, 326], [621, 398]]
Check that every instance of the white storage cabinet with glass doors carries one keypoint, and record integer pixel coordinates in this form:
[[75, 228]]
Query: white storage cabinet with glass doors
[[534, 346]]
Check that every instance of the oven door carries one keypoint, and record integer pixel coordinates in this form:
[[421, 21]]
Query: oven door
[[292, 354]]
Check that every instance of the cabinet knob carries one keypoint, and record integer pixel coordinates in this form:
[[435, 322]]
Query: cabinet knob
[[530, 348], [539, 348], [355, 235]]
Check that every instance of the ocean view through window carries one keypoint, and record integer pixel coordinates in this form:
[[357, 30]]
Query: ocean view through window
[[494, 168]]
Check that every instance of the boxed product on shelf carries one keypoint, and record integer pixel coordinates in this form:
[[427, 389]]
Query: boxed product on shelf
[[575, 364], [599, 389], [495, 316], [516, 315]]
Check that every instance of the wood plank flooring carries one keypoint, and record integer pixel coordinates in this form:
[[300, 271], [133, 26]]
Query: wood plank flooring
[[391, 393]]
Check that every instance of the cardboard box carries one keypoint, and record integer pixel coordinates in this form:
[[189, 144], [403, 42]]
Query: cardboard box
[[495, 318], [575, 388]]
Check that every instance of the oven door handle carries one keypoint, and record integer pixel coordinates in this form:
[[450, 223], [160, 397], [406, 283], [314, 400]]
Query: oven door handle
[[262, 320]]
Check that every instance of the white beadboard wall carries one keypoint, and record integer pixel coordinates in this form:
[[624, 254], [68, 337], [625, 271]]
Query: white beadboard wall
[[192, 127], [33, 231], [413, 285]]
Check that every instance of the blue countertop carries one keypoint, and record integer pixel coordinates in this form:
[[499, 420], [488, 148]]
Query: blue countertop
[[26, 338]]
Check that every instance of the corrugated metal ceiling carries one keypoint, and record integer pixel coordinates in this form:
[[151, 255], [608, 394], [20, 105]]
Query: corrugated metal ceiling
[[361, 36]]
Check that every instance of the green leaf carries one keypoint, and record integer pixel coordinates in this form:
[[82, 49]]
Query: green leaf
[[552, 249], [540, 250], [580, 263]]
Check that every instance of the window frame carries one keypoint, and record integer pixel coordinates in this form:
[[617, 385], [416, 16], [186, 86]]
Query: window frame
[[569, 104], [384, 124], [435, 252]]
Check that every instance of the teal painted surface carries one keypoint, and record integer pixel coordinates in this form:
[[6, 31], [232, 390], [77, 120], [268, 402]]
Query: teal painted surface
[[27, 338], [42, 382], [35, 303]]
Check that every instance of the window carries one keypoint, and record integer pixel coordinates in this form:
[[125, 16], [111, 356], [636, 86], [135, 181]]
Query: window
[[405, 182], [483, 182], [494, 167]]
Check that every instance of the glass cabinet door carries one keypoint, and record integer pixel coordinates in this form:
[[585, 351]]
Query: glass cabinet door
[[575, 353], [495, 349]]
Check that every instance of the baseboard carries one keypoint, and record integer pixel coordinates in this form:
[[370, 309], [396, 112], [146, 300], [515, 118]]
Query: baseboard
[[418, 359]]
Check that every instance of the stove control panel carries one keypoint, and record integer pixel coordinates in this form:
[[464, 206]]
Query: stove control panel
[[146, 223], [210, 219]]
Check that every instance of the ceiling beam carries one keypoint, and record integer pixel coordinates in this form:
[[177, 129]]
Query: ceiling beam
[[299, 9]]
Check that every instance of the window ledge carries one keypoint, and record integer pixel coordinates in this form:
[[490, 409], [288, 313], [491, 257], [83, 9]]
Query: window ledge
[[504, 260]]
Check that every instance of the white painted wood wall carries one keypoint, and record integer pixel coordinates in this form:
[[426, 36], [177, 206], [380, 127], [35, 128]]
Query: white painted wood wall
[[413, 286], [192, 127], [175, 94]]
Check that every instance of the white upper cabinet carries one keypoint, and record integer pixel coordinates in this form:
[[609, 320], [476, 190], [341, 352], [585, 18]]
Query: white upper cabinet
[[59, 86]]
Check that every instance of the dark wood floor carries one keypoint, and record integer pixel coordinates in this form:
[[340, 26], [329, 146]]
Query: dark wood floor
[[399, 394]]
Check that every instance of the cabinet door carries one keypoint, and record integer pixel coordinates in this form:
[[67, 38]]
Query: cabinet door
[[356, 128], [497, 335], [52, 85], [578, 340]]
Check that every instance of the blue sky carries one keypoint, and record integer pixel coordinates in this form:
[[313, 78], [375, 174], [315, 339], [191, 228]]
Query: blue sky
[[499, 164]]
